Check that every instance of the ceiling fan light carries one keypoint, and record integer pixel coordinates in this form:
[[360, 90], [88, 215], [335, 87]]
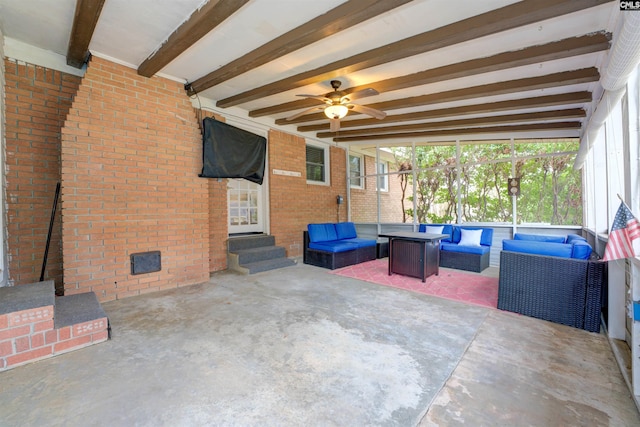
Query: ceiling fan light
[[336, 111]]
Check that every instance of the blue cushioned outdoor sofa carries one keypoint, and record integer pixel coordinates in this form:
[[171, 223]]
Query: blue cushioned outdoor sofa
[[336, 245], [571, 246], [467, 248], [552, 278]]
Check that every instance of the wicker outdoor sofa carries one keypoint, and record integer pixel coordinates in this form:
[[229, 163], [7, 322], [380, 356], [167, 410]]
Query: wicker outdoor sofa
[[561, 290], [460, 256], [336, 245]]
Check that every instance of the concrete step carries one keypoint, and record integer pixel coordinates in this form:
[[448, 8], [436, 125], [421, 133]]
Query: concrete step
[[246, 256], [271, 264], [26, 297], [256, 253], [74, 309], [235, 244]]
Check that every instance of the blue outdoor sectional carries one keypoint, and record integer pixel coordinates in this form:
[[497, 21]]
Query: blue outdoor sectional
[[467, 248], [570, 246], [554, 278], [336, 245]]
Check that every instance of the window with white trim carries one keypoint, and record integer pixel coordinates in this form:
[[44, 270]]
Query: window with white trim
[[355, 171], [383, 176], [317, 164]]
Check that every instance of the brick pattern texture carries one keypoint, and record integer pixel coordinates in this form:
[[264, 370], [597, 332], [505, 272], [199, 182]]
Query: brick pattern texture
[[218, 215], [37, 101], [128, 150], [293, 202], [364, 201], [29, 335], [131, 154]]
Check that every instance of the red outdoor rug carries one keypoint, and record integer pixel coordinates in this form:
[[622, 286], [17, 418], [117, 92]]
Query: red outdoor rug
[[451, 284]]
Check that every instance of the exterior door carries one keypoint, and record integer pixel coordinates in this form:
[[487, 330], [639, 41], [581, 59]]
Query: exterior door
[[244, 199]]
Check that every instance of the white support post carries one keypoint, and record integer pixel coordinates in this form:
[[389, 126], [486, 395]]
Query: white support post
[[414, 175], [616, 300], [632, 185], [458, 192], [348, 189], [514, 198], [377, 178], [635, 332]]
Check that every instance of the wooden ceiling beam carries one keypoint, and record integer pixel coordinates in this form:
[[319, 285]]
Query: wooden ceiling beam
[[85, 19], [531, 55], [570, 125], [571, 113], [201, 22], [565, 78], [585, 75], [337, 19], [499, 20], [493, 107]]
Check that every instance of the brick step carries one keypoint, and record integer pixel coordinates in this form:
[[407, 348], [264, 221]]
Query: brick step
[[35, 325]]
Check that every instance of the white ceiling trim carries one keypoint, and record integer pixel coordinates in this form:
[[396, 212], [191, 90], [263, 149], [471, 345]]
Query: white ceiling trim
[[20, 51], [623, 60], [134, 67]]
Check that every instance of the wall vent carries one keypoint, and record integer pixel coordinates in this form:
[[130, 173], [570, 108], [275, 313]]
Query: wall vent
[[145, 262]]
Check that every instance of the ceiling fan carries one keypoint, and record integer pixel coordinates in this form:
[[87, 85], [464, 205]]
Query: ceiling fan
[[338, 103]]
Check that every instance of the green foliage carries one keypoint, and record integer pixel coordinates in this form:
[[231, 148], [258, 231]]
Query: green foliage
[[551, 191]]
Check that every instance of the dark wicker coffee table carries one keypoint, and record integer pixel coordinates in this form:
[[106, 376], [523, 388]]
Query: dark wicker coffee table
[[414, 254]]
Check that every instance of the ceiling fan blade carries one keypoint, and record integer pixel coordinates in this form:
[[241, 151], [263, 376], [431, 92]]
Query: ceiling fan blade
[[334, 125], [361, 93], [318, 97], [368, 111], [303, 112]]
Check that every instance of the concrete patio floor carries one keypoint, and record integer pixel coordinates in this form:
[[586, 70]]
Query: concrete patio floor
[[302, 347]]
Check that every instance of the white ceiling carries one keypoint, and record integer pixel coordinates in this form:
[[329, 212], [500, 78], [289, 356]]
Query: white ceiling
[[129, 31]]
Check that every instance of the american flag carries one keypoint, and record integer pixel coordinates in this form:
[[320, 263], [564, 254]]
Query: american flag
[[624, 231]]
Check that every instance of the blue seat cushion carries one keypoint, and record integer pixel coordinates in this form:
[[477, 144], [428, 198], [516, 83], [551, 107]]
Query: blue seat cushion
[[322, 232], [538, 248], [334, 246], [446, 229], [580, 249], [454, 247], [346, 230], [539, 238], [485, 240], [362, 243]]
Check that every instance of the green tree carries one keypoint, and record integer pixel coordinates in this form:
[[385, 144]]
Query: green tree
[[551, 191]]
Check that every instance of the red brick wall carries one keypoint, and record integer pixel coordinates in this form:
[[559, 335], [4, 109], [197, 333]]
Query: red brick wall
[[131, 154], [37, 102], [364, 202], [293, 202], [218, 216]]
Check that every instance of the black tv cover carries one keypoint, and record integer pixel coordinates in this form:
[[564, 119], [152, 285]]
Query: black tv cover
[[230, 152]]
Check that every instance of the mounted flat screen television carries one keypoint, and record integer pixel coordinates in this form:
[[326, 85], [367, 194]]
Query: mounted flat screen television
[[230, 152]]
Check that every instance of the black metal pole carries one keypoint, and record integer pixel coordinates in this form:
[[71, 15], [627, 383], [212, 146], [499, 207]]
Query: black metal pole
[[53, 216]]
